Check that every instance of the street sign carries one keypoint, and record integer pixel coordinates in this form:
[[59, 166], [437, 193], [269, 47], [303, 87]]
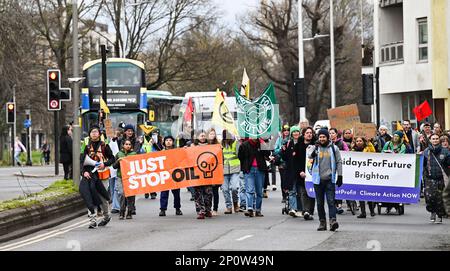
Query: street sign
[[54, 105], [27, 123]]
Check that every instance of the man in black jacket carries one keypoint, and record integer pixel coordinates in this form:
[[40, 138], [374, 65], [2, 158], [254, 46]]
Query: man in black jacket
[[253, 165]]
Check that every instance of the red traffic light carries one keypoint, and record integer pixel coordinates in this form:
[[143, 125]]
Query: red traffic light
[[52, 75]]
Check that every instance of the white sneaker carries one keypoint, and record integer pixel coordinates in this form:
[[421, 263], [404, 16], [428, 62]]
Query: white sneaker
[[298, 214], [293, 213], [438, 220]]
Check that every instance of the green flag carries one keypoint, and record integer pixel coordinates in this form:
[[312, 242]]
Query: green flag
[[258, 118]]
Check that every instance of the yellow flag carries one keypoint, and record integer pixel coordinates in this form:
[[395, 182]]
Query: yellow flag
[[245, 86], [104, 106], [222, 116]]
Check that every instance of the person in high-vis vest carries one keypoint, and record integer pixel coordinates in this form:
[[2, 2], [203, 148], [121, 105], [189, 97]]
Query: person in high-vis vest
[[151, 142], [231, 170]]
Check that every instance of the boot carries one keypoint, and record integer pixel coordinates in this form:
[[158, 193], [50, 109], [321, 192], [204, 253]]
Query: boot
[[333, 225], [363, 209], [372, 208], [162, 213], [129, 215], [153, 195], [322, 225], [228, 211], [122, 214], [104, 221], [236, 207], [178, 212]]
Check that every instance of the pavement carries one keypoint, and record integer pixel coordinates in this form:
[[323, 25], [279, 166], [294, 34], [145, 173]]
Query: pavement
[[18, 181], [235, 232]]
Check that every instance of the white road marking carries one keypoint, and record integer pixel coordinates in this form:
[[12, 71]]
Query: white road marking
[[44, 236], [244, 237]]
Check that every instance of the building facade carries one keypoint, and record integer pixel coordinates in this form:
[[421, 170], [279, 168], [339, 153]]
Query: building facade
[[412, 40]]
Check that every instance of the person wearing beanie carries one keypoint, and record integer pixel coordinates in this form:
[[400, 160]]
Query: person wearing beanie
[[231, 172], [291, 154], [326, 172], [93, 190], [396, 145], [169, 144], [281, 141]]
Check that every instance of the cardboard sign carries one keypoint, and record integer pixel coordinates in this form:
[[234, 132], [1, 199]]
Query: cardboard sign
[[172, 169], [344, 117], [108, 128], [366, 130]]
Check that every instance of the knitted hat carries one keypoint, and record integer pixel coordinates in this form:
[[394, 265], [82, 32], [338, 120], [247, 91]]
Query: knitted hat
[[295, 129], [128, 126], [399, 133], [324, 132]]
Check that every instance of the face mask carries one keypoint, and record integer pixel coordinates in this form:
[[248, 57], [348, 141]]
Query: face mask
[[155, 138]]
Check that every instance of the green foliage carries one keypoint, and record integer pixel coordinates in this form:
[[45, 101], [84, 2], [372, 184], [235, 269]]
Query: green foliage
[[56, 190]]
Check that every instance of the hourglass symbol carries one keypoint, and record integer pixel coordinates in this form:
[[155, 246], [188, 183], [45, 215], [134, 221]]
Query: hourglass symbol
[[207, 163]]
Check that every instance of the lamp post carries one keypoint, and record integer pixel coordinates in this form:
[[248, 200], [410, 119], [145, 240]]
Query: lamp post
[[333, 83], [76, 129]]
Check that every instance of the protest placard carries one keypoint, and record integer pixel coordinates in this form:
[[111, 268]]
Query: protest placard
[[172, 169], [366, 130], [344, 117]]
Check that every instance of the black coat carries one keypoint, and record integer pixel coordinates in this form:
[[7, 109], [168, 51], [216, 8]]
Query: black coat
[[295, 157], [247, 153], [65, 149]]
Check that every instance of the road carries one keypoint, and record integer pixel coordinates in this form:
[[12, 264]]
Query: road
[[12, 186], [274, 231]]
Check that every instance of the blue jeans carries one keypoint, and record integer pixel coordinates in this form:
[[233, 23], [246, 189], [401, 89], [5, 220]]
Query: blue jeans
[[325, 188], [16, 157], [254, 182], [113, 190], [242, 194], [293, 193], [163, 201], [230, 188]]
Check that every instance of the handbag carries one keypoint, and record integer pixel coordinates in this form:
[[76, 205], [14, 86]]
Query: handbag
[[443, 171]]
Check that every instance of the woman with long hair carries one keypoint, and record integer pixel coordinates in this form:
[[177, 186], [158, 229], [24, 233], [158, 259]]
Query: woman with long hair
[[212, 139]]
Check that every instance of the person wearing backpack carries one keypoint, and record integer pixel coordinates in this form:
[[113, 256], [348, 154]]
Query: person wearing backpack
[[326, 172], [436, 159]]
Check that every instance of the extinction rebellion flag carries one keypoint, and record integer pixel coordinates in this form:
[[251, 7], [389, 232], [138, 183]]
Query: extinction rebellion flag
[[258, 118]]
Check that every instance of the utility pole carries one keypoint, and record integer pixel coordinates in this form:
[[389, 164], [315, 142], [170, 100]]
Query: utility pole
[[301, 68], [13, 139], [333, 83], [76, 132], [104, 83], [28, 142]]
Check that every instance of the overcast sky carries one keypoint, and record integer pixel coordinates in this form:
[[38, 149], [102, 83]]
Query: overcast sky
[[232, 8]]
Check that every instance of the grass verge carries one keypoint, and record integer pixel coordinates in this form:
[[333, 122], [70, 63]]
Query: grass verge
[[55, 190]]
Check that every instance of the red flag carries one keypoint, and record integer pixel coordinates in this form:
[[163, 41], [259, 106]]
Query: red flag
[[422, 111], [189, 111]]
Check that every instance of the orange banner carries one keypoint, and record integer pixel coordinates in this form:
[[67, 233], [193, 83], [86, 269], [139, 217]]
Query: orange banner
[[172, 169]]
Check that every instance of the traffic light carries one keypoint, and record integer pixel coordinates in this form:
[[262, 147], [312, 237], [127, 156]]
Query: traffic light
[[301, 97], [10, 113], [367, 88], [53, 92]]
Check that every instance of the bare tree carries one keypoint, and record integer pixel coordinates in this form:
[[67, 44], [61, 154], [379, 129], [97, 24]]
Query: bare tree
[[52, 21], [273, 28]]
